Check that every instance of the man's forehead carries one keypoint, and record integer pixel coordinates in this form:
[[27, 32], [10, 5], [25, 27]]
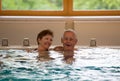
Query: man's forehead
[[69, 33]]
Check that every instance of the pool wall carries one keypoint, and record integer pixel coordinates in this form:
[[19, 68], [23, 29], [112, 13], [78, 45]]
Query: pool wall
[[106, 29]]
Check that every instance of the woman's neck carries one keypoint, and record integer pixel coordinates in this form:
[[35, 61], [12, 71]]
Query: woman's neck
[[40, 48]]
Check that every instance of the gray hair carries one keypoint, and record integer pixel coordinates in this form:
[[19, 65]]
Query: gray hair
[[70, 30]]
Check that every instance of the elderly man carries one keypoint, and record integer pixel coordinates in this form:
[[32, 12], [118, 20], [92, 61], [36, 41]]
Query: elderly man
[[69, 40]]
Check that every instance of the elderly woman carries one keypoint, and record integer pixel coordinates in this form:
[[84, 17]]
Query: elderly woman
[[44, 40]]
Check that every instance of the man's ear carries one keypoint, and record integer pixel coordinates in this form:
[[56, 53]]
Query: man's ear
[[76, 41]]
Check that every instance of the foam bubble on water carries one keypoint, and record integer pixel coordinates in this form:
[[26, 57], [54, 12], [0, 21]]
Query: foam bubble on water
[[90, 64]]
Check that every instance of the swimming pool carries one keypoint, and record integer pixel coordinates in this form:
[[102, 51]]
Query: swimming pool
[[86, 64]]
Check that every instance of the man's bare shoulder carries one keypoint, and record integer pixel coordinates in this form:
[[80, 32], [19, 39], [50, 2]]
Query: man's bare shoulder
[[58, 48]]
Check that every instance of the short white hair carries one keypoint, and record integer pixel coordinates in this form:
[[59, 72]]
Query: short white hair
[[70, 30]]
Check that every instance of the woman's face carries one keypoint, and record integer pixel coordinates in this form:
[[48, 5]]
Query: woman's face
[[46, 41]]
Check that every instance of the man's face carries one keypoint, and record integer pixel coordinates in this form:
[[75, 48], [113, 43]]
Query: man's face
[[69, 41]]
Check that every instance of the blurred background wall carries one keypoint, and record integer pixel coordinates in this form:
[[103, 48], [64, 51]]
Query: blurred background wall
[[106, 30]]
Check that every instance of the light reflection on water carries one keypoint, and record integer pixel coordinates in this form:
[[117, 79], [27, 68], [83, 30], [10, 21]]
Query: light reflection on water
[[89, 64]]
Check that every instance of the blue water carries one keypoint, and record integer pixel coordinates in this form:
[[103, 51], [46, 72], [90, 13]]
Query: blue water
[[89, 64]]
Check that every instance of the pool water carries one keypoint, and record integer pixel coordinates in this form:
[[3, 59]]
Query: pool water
[[85, 64]]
